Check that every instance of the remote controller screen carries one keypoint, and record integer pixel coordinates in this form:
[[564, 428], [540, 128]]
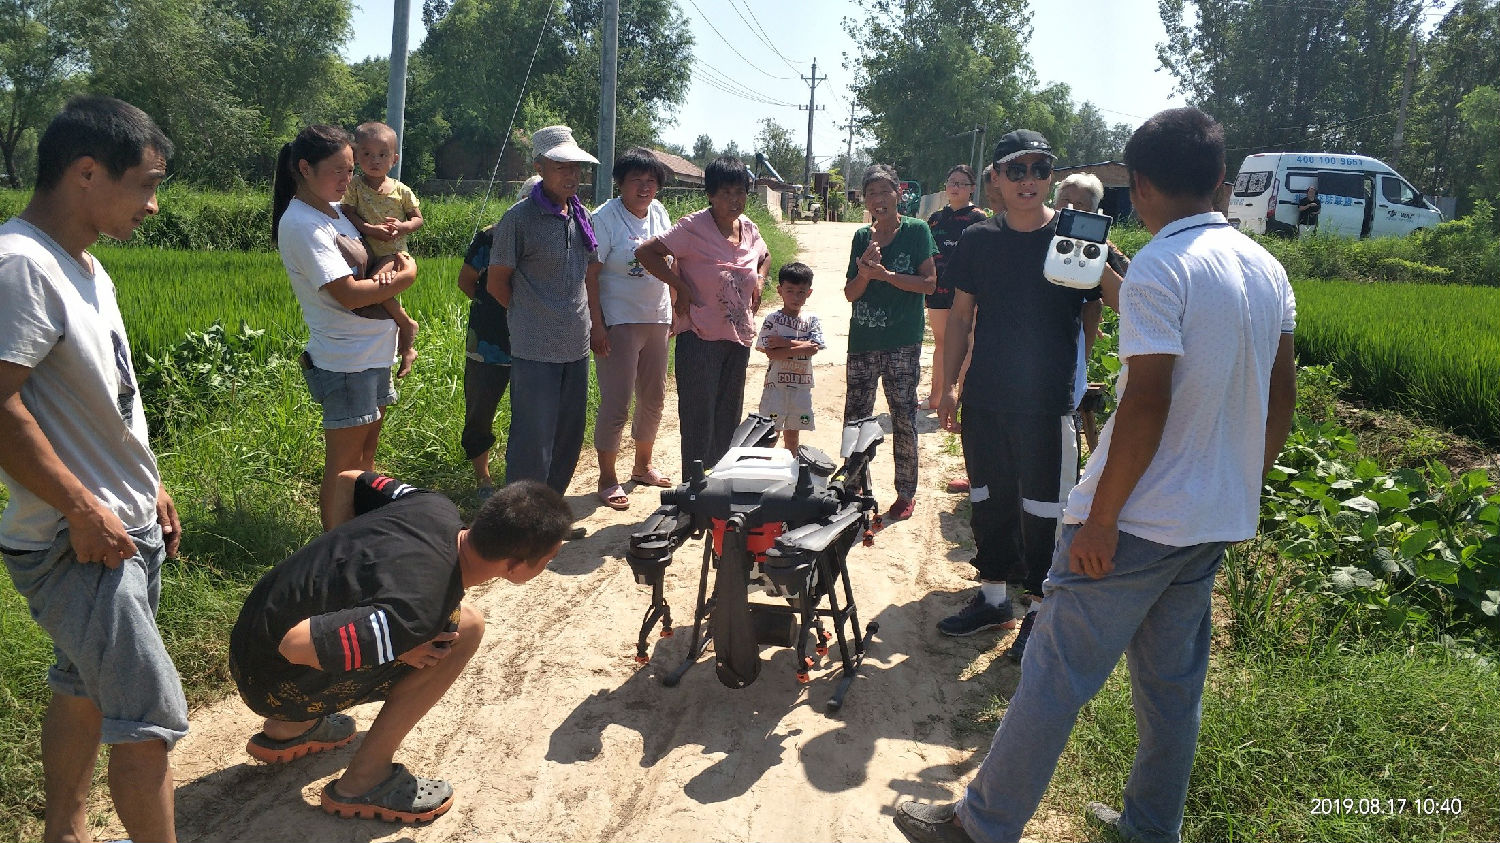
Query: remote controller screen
[[1083, 226]]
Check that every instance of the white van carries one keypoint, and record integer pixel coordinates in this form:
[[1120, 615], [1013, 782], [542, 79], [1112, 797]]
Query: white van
[[1361, 196]]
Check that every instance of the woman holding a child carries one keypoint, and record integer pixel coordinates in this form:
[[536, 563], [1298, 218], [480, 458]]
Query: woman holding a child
[[631, 312], [348, 358], [719, 267]]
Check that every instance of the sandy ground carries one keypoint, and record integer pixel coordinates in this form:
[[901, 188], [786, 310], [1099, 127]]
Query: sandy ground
[[553, 733]]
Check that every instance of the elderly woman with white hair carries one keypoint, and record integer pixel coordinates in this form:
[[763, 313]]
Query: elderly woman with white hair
[[1084, 192], [891, 271]]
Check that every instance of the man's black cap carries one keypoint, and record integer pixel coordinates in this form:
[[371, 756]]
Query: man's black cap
[[1021, 142]]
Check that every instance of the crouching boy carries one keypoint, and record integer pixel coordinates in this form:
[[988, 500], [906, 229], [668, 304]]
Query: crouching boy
[[372, 610]]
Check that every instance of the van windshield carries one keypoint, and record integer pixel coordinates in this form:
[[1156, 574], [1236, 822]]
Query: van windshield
[[1251, 183]]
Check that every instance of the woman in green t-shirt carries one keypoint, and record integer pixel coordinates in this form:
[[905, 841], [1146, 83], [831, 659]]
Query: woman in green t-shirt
[[891, 270]]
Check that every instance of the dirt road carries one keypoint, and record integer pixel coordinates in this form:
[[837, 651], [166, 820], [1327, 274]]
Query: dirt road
[[554, 734]]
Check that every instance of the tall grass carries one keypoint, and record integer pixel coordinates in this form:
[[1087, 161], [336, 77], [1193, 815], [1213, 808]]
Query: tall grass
[[1281, 732], [165, 293], [1429, 349]]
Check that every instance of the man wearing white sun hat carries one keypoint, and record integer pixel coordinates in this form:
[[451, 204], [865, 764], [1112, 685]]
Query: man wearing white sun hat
[[542, 250]]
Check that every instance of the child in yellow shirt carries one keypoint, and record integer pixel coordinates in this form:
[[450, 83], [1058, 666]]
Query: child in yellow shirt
[[385, 211]]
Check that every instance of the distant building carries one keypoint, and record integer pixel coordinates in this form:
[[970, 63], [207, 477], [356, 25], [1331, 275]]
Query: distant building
[[684, 172], [1116, 185]]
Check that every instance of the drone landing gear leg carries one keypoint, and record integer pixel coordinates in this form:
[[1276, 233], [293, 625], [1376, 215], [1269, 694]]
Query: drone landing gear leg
[[700, 639], [657, 611], [834, 569]]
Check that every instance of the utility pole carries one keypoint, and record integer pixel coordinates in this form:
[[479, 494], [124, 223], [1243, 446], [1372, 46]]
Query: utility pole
[[849, 150], [973, 146], [1411, 70], [609, 68], [812, 90], [395, 96]]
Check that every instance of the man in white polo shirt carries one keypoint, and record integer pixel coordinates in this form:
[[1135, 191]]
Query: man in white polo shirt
[[1206, 396]]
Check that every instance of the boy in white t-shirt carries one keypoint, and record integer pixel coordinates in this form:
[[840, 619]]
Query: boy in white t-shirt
[[790, 337]]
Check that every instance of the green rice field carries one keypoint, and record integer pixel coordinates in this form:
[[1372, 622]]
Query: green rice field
[[165, 294], [1429, 349]]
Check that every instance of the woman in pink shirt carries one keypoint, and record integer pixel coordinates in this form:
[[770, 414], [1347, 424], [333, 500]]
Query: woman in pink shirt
[[718, 269]]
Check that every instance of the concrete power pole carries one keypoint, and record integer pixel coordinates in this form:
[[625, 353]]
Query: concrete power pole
[[812, 90], [849, 149], [609, 71], [395, 96]]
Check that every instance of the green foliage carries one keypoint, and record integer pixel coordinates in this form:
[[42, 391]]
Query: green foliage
[[1480, 110], [1318, 391], [37, 66], [1400, 553], [227, 80], [1462, 251], [468, 86], [1279, 76], [239, 220], [1442, 151], [196, 376], [1427, 349], [787, 156], [918, 64]]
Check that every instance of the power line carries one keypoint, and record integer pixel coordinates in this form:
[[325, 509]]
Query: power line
[[760, 32], [726, 83], [520, 95], [730, 44]]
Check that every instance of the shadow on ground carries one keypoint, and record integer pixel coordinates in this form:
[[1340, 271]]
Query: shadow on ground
[[907, 689]]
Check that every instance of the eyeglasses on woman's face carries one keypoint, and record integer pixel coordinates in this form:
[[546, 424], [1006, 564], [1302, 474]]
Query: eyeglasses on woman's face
[[1040, 170], [959, 183]]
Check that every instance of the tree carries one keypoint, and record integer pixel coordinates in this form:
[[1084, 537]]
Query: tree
[[703, 150], [293, 47], [474, 83], [929, 71], [786, 155], [38, 66], [167, 58], [227, 80], [1290, 76], [1480, 113], [1462, 55], [1091, 139]]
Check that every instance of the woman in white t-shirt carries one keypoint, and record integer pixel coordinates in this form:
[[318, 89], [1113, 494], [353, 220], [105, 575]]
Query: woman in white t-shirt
[[632, 315], [347, 363]]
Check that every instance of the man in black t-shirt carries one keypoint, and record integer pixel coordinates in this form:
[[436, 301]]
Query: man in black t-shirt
[[372, 610], [1019, 440]]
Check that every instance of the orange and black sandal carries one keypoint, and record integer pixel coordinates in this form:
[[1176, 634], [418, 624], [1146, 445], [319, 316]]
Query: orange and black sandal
[[402, 798], [330, 732]]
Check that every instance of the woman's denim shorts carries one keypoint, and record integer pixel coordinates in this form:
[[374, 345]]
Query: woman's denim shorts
[[349, 399]]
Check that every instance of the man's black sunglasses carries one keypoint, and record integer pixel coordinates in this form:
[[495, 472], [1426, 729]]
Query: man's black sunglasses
[[1016, 171]]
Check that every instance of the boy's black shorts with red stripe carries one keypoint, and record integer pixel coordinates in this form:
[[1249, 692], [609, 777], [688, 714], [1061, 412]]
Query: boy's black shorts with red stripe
[[304, 693]]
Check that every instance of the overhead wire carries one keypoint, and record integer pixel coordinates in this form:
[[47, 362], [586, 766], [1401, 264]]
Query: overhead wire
[[760, 32], [730, 44], [520, 95], [726, 83]]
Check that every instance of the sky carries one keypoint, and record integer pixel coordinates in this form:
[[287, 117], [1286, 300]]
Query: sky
[[1121, 79]]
